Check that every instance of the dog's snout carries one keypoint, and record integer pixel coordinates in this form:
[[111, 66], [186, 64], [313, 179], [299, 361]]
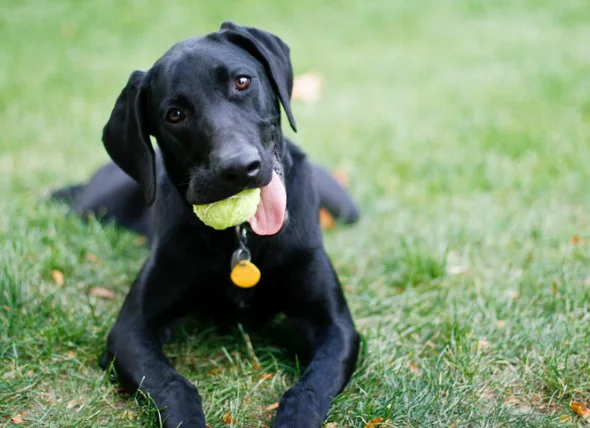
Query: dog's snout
[[242, 168]]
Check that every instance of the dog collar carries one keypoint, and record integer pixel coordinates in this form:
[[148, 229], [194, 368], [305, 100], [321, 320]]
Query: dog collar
[[243, 273]]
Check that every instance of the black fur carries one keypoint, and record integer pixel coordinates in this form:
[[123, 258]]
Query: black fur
[[228, 140]]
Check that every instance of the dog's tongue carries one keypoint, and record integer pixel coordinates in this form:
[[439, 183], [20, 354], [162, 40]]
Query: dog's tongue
[[270, 214]]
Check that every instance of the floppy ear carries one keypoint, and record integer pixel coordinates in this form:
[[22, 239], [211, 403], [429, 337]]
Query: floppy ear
[[127, 139], [273, 53]]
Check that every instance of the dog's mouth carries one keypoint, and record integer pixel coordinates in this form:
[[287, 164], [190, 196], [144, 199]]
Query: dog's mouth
[[271, 212]]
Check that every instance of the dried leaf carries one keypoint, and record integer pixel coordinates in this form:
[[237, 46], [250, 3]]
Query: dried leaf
[[580, 410], [256, 366], [103, 293], [332, 425], [265, 376], [91, 258], [71, 354], [18, 418], [373, 423], [414, 369], [273, 406], [326, 219], [58, 277], [215, 371], [564, 418], [341, 177], [128, 415], [71, 403], [482, 344], [575, 240], [228, 419], [307, 87]]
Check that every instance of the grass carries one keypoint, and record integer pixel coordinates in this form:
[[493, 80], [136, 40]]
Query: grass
[[464, 128]]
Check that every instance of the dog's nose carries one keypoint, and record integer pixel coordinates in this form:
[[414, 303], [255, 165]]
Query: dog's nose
[[241, 169]]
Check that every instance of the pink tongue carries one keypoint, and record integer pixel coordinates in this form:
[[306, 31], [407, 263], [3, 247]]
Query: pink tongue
[[270, 214]]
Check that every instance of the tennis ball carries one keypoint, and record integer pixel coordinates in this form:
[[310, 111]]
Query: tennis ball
[[231, 211]]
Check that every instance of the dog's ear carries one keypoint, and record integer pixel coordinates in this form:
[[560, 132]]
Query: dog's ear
[[126, 136], [270, 51]]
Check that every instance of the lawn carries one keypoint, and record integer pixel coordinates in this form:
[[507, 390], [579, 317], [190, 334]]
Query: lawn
[[464, 128]]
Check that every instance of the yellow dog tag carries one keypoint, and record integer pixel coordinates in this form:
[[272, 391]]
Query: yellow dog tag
[[245, 274]]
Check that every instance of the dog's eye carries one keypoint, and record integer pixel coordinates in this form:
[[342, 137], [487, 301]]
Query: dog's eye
[[242, 82], [174, 115]]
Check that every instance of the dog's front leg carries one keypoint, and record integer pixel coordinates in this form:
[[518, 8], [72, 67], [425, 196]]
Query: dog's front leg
[[156, 298], [316, 300]]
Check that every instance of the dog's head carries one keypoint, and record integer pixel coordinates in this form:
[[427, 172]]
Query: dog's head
[[212, 103]]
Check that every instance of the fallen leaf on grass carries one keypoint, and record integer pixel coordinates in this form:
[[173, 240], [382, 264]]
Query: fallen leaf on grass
[[374, 423], [414, 369], [17, 419], [564, 418], [272, 407], [307, 87], [58, 277], [128, 415], [575, 240], [256, 366], [341, 177], [228, 419], [482, 344], [326, 219], [332, 425], [501, 323], [580, 410], [103, 293], [91, 258], [265, 376], [71, 403]]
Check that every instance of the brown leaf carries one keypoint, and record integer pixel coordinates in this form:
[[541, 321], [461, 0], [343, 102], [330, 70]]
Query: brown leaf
[[215, 371], [272, 407], [266, 376], [18, 418], [512, 400], [575, 240], [341, 177], [58, 277], [332, 425], [373, 423], [326, 219], [580, 410], [140, 240], [91, 258], [103, 293], [564, 418], [307, 87], [256, 366], [414, 369], [228, 419], [482, 344]]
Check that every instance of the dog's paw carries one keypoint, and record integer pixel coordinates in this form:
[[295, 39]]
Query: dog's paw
[[299, 408]]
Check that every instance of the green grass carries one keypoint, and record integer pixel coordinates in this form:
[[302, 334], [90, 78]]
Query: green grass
[[464, 127]]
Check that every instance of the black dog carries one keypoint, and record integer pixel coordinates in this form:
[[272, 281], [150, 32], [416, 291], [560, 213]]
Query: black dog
[[212, 104]]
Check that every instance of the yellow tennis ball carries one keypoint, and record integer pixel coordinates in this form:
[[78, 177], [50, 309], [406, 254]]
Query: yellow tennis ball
[[231, 211]]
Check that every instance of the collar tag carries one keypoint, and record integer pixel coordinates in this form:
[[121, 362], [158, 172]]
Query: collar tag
[[244, 273]]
